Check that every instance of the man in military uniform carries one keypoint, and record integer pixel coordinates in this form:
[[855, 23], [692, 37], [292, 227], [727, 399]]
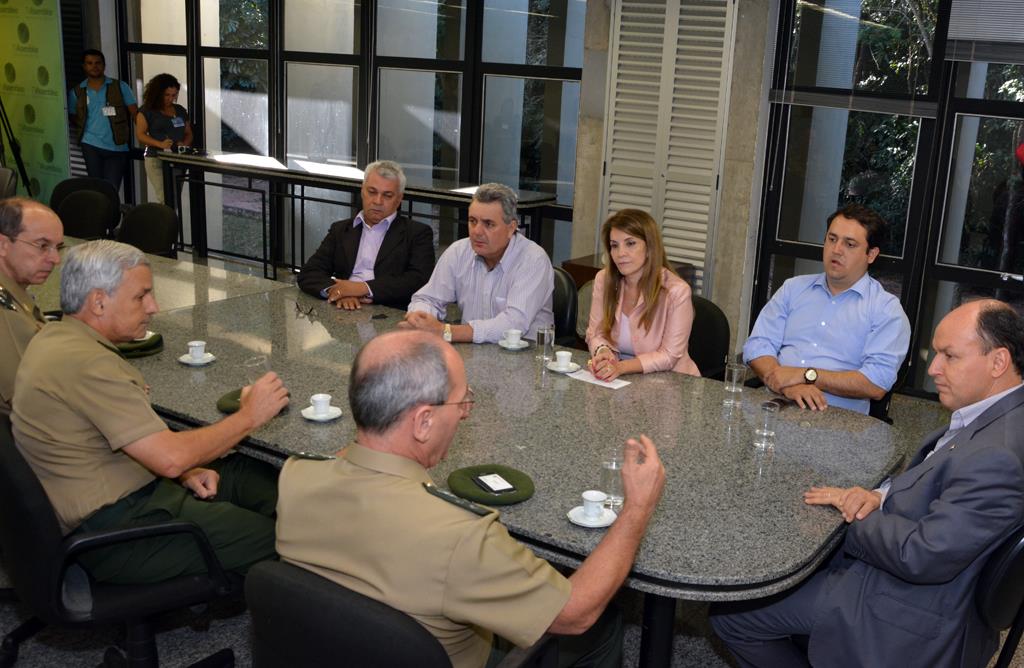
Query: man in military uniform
[[83, 421], [449, 564], [31, 238]]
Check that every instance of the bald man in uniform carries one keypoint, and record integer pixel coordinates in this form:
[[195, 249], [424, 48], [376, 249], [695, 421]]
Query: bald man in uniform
[[83, 421], [372, 521], [31, 238]]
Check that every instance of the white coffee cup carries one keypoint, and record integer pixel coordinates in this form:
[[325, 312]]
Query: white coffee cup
[[513, 336], [563, 358], [321, 403], [197, 349], [593, 503]]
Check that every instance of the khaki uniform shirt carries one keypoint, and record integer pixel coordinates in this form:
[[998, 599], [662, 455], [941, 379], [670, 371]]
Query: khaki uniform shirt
[[78, 403], [366, 522], [19, 322]]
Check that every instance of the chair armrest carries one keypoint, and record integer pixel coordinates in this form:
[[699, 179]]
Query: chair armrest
[[75, 544], [541, 654]]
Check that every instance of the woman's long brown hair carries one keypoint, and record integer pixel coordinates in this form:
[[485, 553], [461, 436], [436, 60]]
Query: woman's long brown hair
[[641, 225]]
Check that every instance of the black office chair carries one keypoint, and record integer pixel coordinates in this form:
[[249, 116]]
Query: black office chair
[[563, 303], [77, 183], [51, 585], [152, 228], [584, 297], [999, 594], [8, 182], [709, 338], [302, 619], [88, 214]]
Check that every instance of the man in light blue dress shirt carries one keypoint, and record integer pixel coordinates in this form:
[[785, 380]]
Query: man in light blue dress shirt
[[836, 338], [500, 279]]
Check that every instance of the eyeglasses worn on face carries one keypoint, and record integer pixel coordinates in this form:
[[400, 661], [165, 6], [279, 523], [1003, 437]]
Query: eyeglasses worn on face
[[43, 247], [466, 404]]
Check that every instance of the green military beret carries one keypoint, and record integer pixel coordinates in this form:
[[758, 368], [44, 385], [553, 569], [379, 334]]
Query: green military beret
[[462, 482], [230, 402], [150, 345]]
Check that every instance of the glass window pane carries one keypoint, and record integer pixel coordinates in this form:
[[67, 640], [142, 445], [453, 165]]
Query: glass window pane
[[235, 214], [418, 29], [863, 45], [231, 23], [990, 81], [145, 66], [534, 32], [322, 26], [316, 215], [156, 21], [419, 121], [321, 114], [837, 156], [236, 105], [529, 134], [984, 214]]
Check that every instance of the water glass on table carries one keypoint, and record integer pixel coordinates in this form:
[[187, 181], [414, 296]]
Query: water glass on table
[[611, 478], [546, 343], [255, 368], [764, 433], [735, 374]]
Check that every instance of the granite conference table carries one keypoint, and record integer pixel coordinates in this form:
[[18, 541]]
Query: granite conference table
[[731, 524], [176, 283]]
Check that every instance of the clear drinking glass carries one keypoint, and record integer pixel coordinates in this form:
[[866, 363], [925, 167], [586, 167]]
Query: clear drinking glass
[[255, 368], [734, 376], [611, 478], [546, 344], [764, 434]]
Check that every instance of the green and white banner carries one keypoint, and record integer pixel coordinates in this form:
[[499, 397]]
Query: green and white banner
[[32, 91]]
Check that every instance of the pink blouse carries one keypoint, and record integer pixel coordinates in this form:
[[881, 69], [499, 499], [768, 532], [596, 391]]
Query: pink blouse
[[663, 347]]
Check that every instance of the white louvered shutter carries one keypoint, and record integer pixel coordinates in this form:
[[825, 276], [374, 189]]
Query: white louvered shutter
[[666, 106]]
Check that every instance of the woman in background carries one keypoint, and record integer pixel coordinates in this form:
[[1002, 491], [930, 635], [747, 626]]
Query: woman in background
[[162, 124], [641, 312]]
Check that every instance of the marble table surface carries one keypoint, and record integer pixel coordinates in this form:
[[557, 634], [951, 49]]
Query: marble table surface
[[731, 523], [176, 283]]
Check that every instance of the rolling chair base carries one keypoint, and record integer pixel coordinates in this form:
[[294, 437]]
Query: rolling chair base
[[140, 646]]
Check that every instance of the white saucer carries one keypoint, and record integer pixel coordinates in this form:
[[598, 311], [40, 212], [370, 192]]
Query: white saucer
[[149, 334], [572, 368], [607, 517], [332, 413], [523, 343], [187, 359]]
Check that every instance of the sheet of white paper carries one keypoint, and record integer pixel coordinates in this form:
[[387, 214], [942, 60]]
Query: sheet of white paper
[[588, 377]]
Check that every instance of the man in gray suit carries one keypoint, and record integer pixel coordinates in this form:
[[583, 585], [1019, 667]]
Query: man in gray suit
[[901, 588]]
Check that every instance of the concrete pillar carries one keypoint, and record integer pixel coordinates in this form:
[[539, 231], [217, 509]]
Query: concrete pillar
[[739, 209], [590, 133]]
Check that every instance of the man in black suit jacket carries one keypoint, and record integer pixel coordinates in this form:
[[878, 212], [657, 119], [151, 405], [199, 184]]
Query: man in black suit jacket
[[900, 591], [378, 256]]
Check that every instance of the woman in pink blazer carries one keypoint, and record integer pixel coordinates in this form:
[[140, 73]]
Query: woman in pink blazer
[[641, 313]]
